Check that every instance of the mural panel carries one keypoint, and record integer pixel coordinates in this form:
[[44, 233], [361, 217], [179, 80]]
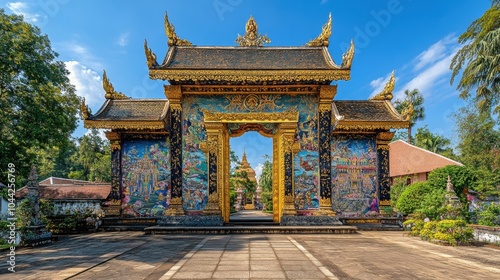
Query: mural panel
[[145, 177], [354, 173], [306, 162]]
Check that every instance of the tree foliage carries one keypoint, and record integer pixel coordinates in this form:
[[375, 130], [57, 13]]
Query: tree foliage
[[38, 106], [461, 177], [266, 177], [92, 161], [435, 143], [479, 60], [479, 147], [412, 102]]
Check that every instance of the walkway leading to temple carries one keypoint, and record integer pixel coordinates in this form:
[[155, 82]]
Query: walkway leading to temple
[[367, 255]]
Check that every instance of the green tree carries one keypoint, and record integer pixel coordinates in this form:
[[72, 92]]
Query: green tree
[[479, 147], [413, 103], [478, 60], [92, 161], [55, 161], [433, 142], [266, 177], [38, 106]]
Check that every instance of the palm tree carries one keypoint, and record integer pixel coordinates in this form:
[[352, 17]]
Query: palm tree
[[479, 59], [412, 99]]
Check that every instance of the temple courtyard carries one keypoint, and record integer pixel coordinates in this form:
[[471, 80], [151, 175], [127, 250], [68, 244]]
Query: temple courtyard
[[364, 255]]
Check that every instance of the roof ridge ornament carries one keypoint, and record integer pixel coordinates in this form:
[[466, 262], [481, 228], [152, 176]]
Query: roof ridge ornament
[[173, 39], [348, 56], [110, 90], [251, 37], [85, 111], [322, 39], [150, 56], [386, 93]]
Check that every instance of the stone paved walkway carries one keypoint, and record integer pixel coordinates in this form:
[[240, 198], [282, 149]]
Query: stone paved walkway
[[367, 255]]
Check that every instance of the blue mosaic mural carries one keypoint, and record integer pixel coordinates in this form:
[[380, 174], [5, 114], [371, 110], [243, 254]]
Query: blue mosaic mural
[[145, 177], [354, 175], [195, 186]]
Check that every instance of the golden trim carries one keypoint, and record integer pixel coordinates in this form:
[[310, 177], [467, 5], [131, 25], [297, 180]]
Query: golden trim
[[252, 38], [150, 56], [110, 90], [327, 93], [283, 117], [322, 39], [173, 39], [253, 89], [85, 111], [348, 56], [130, 125], [250, 75], [386, 93], [369, 125]]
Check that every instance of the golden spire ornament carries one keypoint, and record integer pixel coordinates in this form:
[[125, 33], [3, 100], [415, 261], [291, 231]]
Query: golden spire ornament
[[110, 90], [252, 38], [386, 93], [348, 56], [173, 39], [322, 39], [150, 56], [84, 110]]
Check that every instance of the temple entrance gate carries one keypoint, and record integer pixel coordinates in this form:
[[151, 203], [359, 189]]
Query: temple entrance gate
[[217, 147], [328, 156]]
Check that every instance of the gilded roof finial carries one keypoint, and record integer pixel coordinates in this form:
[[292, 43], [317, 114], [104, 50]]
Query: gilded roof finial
[[173, 39], [322, 39], [348, 56], [407, 113], [251, 37], [386, 93], [110, 90], [150, 56], [85, 110]]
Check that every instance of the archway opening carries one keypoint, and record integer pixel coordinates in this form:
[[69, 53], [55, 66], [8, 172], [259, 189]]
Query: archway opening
[[251, 173]]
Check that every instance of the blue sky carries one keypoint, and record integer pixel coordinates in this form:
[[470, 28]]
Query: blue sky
[[417, 39]]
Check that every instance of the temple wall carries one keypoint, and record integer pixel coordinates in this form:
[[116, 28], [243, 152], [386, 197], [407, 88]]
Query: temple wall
[[145, 177], [354, 175], [306, 163]]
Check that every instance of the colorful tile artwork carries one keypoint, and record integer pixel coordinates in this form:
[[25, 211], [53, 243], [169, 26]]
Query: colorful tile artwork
[[194, 161], [145, 177], [354, 175]]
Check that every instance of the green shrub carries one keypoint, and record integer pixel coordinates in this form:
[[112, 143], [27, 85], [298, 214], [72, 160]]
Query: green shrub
[[414, 226], [461, 178], [490, 216], [396, 191], [428, 230], [431, 205], [267, 200], [411, 197], [454, 232]]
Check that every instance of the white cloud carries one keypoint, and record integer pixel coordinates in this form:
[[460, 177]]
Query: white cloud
[[23, 8], [258, 170], [123, 39], [435, 52], [79, 52], [87, 82]]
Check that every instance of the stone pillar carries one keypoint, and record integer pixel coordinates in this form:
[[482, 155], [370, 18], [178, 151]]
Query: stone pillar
[[384, 184], [115, 197], [287, 149], [174, 95], [327, 93], [212, 147]]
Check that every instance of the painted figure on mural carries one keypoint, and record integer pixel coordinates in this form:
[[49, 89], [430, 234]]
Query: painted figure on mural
[[145, 177], [354, 175]]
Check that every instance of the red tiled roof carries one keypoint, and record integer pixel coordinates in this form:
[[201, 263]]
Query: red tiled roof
[[66, 191], [62, 181], [406, 159]]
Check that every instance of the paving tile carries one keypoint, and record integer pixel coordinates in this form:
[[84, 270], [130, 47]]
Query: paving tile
[[233, 267], [194, 268], [237, 274], [267, 274], [297, 274], [192, 275]]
